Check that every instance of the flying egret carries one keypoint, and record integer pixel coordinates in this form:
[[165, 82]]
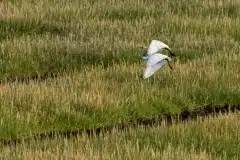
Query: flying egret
[[155, 59]]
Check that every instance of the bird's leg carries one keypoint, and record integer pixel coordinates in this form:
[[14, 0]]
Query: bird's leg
[[170, 66], [168, 63]]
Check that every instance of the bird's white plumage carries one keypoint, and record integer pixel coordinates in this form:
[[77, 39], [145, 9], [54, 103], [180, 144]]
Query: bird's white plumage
[[150, 70], [155, 58], [155, 62], [156, 46]]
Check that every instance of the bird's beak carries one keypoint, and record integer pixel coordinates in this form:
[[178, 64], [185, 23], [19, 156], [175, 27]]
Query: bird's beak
[[172, 54]]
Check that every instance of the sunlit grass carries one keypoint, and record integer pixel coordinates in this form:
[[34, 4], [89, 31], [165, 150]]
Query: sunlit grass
[[211, 138], [90, 98], [92, 48]]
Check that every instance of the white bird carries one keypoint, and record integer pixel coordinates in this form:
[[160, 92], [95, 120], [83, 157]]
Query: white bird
[[155, 59]]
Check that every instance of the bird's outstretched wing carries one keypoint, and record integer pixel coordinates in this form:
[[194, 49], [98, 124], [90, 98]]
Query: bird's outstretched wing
[[155, 62], [156, 46], [155, 58], [150, 70]]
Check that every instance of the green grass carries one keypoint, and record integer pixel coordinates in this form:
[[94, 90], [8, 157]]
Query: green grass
[[14, 28], [92, 50], [211, 138]]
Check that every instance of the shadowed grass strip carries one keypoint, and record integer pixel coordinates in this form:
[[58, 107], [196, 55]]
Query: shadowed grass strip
[[41, 62], [19, 27]]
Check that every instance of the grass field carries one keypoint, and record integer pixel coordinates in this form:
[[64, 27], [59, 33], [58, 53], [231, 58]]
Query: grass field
[[90, 50], [211, 138]]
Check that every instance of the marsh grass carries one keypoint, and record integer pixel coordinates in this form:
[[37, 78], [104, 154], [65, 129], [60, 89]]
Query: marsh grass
[[92, 49], [210, 138], [14, 28]]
